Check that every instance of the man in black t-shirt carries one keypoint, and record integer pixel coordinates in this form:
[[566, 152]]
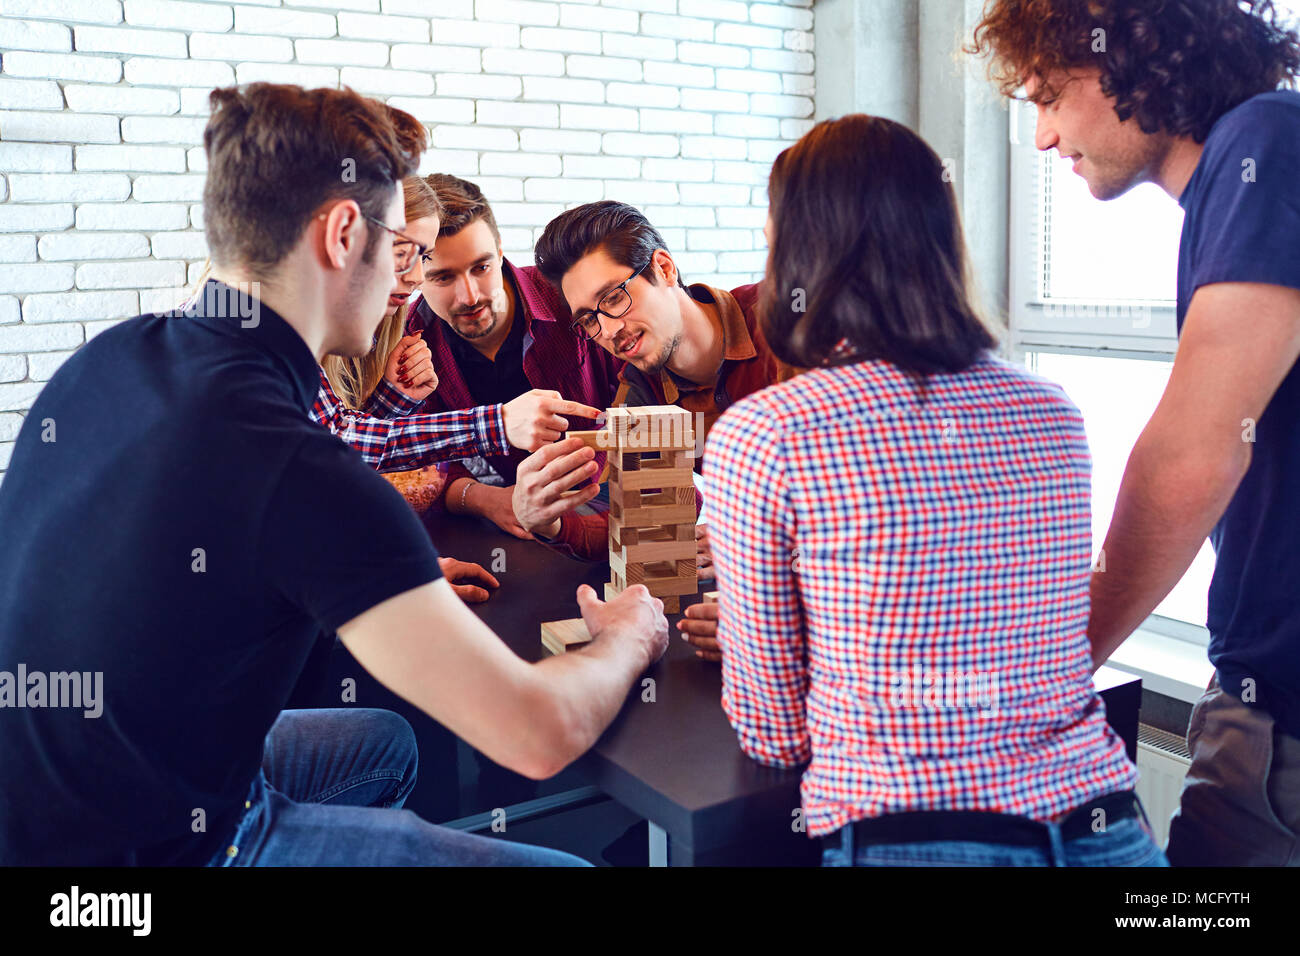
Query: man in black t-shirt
[[150, 640], [1185, 95]]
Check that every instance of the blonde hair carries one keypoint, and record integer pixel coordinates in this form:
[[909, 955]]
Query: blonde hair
[[354, 379]]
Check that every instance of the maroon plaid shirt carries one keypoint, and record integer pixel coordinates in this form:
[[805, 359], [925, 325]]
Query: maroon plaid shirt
[[555, 357]]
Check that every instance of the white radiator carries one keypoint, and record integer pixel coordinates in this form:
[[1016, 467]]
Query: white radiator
[[1162, 760]]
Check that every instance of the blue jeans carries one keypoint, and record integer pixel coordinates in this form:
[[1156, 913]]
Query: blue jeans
[[329, 794], [1123, 843]]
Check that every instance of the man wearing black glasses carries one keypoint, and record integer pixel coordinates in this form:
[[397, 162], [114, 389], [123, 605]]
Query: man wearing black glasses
[[159, 633], [693, 346], [500, 333]]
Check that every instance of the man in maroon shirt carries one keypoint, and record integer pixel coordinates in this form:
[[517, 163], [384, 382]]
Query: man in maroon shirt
[[693, 346], [497, 331]]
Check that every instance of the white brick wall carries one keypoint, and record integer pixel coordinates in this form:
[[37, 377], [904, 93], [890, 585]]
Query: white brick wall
[[678, 106]]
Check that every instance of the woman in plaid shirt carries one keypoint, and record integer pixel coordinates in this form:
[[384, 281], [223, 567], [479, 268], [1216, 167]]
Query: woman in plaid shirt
[[902, 542]]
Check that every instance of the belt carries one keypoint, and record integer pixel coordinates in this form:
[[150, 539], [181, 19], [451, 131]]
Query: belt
[[984, 827]]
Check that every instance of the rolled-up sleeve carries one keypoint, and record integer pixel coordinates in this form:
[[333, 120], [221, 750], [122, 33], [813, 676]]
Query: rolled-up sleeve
[[760, 626]]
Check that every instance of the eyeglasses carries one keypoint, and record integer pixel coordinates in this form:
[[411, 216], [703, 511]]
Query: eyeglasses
[[405, 249], [613, 304]]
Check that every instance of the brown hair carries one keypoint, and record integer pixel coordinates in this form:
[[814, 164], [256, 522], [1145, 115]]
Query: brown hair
[[462, 204], [1175, 65], [354, 379], [276, 153], [621, 231], [867, 258]]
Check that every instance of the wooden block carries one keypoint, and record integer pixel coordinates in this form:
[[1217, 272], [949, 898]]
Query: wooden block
[[656, 477], [675, 586], [559, 636], [599, 440], [617, 421], [627, 575], [657, 551], [655, 515], [649, 427], [710, 597], [620, 537], [670, 592], [624, 460], [648, 499]]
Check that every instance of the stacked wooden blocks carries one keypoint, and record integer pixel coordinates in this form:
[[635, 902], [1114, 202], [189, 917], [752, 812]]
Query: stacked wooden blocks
[[651, 509], [651, 502]]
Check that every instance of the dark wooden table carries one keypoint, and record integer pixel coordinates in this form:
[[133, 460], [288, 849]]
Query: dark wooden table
[[674, 759]]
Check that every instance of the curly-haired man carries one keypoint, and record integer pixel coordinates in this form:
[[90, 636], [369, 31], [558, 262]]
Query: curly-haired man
[[1187, 94]]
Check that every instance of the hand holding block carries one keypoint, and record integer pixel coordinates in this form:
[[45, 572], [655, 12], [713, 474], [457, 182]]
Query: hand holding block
[[559, 636], [597, 440]]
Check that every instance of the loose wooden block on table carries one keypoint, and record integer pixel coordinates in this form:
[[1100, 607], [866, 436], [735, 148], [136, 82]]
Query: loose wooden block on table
[[710, 597], [559, 636]]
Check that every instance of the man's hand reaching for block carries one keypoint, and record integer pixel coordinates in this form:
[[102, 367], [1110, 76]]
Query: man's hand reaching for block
[[544, 485], [537, 417]]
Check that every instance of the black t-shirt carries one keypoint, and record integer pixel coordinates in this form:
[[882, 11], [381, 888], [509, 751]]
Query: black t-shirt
[[494, 381], [188, 533], [1242, 224]]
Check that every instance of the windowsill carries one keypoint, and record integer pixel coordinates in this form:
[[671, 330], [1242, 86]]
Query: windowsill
[[1167, 665]]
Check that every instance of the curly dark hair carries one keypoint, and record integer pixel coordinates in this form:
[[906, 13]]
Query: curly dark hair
[[1175, 65]]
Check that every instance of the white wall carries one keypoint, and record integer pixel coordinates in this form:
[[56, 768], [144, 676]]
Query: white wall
[[903, 59], [677, 106]]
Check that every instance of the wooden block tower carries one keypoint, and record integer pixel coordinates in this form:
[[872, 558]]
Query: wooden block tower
[[651, 502], [651, 509]]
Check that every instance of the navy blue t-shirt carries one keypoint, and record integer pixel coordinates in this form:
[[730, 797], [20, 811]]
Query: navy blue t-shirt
[[1242, 224], [174, 521]]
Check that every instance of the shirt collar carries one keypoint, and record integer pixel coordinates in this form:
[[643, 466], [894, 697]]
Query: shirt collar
[[737, 344], [235, 313], [522, 283]]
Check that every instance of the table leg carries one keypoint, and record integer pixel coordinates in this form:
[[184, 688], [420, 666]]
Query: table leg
[[658, 845]]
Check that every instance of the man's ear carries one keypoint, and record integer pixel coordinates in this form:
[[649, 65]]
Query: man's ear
[[664, 265], [342, 233]]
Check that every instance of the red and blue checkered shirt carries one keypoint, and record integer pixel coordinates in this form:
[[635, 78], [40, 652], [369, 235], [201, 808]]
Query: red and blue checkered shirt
[[903, 572], [391, 438]]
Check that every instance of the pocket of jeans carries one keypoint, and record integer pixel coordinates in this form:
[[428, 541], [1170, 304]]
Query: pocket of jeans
[[1126, 842], [1196, 723], [1267, 775]]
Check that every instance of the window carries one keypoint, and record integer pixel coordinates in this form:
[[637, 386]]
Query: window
[[1124, 251], [1087, 274], [1117, 397]]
